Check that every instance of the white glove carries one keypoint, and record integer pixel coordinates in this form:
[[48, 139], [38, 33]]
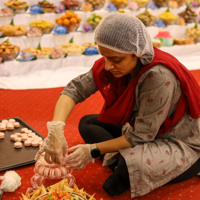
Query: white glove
[[79, 156], [55, 145]]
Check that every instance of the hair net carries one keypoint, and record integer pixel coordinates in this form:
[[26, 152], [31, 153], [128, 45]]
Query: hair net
[[126, 34]]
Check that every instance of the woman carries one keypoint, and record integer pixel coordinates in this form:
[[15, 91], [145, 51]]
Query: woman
[[148, 131]]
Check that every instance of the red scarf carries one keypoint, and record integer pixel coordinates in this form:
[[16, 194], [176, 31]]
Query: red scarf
[[119, 94]]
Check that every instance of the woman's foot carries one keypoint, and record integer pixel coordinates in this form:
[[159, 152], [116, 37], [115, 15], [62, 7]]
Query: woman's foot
[[115, 185]]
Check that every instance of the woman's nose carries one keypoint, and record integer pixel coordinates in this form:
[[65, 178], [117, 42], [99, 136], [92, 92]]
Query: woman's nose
[[108, 66]]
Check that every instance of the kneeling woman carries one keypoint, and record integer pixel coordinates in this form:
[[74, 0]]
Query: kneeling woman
[[148, 131]]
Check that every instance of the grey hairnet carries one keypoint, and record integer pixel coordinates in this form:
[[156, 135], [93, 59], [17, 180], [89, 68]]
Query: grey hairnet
[[126, 34]]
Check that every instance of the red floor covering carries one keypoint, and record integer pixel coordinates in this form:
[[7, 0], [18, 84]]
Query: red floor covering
[[36, 108]]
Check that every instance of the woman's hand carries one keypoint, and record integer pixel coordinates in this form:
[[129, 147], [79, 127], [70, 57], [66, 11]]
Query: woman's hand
[[55, 145], [79, 156]]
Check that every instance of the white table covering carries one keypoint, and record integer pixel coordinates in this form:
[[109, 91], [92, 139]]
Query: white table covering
[[48, 73]]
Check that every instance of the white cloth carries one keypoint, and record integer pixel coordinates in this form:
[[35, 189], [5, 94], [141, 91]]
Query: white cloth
[[47, 73]]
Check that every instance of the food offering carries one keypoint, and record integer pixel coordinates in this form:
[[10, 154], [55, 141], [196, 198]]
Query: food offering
[[141, 3], [4, 12], [90, 49], [119, 3], [165, 37], [188, 14], [156, 42], [71, 48], [168, 17], [62, 187], [47, 7], [34, 32], [8, 51], [147, 18], [9, 124], [94, 20], [183, 41], [96, 4], [193, 32], [18, 6], [13, 30], [44, 25], [39, 52], [161, 3], [47, 174], [70, 20], [71, 4], [87, 7], [57, 53], [180, 2]]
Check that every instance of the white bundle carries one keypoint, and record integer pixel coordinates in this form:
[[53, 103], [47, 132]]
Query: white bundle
[[10, 181]]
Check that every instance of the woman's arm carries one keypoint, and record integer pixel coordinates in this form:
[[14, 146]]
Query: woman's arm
[[63, 108], [113, 145]]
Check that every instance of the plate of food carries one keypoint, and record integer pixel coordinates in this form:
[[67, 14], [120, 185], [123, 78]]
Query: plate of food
[[60, 191], [64, 195]]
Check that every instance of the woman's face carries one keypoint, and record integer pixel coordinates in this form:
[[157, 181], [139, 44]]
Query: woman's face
[[119, 64]]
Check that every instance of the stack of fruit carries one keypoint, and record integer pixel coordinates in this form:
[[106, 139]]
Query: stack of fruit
[[70, 20]]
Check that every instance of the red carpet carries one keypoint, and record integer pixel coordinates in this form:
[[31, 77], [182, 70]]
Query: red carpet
[[36, 108]]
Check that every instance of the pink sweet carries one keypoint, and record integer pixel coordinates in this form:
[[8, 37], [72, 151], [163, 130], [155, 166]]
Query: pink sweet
[[23, 130], [18, 145], [10, 126], [163, 34], [27, 143], [18, 139], [5, 121], [16, 124], [41, 170], [57, 173], [63, 171], [24, 138], [29, 131], [11, 120], [13, 136], [2, 135], [35, 143], [37, 168], [52, 173], [2, 127], [46, 171]]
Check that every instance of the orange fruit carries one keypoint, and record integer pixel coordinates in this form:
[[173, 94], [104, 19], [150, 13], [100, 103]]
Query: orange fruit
[[66, 22], [78, 19], [69, 15], [71, 27], [73, 20], [75, 15], [60, 22], [67, 12], [57, 19], [63, 17]]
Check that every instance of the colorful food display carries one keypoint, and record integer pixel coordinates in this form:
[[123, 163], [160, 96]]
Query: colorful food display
[[70, 20], [60, 190], [193, 31], [188, 15], [94, 19], [17, 5], [146, 17], [44, 25], [8, 51], [165, 37], [96, 4], [168, 17]]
